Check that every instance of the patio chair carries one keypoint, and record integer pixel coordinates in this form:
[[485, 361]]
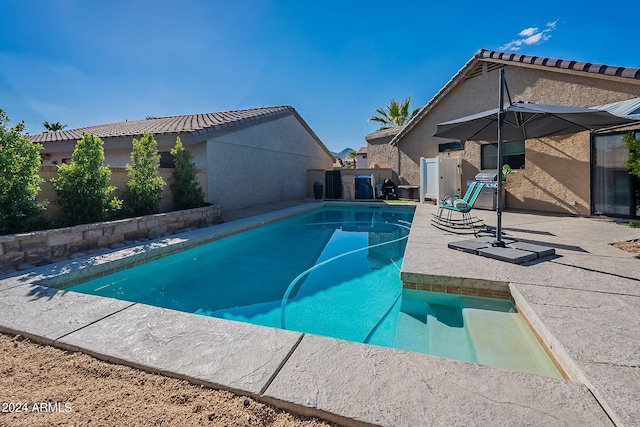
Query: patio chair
[[449, 205]]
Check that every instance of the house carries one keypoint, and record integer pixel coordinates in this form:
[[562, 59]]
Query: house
[[244, 157], [384, 154], [581, 174], [361, 158]]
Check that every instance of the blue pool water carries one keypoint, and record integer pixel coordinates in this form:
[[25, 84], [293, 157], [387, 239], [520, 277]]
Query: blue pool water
[[333, 272]]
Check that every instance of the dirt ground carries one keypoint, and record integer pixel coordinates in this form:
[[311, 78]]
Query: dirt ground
[[632, 246], [42, 385]]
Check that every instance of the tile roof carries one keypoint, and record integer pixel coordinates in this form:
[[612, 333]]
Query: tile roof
[[383, 133], [194, 124], [490, 56], [587, 67]]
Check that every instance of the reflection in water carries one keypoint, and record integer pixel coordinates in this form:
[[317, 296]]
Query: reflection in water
[[333, 272]]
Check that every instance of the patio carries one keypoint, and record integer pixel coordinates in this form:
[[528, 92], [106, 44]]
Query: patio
[[584, 303]]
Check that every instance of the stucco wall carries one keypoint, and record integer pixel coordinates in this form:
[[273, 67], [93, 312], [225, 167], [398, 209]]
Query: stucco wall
[[119, 178], [381, 154], [348, 189], [263, 163], [362, 161], [557, 170]]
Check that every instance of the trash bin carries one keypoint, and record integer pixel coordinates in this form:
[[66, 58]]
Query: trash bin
[[333, 183], [317, 190], [364, 190]]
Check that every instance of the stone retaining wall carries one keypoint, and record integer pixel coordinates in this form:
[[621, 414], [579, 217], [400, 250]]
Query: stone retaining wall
[[22, 251]]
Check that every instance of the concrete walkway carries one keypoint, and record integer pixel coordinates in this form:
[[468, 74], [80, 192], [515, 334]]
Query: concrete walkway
[[584, 303]]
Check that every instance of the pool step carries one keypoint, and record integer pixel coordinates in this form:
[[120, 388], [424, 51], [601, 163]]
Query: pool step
[[507, 342], [447, 335], [433, 329], [412, 334]]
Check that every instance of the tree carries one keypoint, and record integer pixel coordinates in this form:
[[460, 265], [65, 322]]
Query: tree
[[395, 114], [19, 180], [633, 162], [187, 192], [53, 127], [354, 156], [82, 187], [143, 191]]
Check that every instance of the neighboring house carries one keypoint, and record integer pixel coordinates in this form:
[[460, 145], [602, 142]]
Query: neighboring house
[[247, 157], [361, 158], [381, 153], [581, 174]]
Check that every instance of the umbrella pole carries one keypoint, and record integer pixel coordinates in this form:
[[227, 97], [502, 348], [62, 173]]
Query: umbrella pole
[[498, 241]]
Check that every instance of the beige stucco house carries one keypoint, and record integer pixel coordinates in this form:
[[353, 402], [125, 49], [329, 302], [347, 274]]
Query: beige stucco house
[[243, 157], [361, 158], [581, 174]]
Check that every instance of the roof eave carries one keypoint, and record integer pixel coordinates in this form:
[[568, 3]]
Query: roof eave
[[605, 72]]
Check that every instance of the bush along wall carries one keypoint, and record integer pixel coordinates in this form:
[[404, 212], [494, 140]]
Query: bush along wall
[[19, 180]]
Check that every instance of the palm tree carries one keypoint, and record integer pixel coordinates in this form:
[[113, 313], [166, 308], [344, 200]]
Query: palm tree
[[53, 127], [395, 114], [353, 155]]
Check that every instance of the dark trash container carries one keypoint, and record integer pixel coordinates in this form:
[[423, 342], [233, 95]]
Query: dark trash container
[[364, 190], [317, 190], [333, 185]]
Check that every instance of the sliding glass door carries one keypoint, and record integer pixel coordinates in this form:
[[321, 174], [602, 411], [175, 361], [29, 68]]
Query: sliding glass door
[[614, 190]]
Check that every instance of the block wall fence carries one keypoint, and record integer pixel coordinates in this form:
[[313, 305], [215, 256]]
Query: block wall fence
[[119, 178]]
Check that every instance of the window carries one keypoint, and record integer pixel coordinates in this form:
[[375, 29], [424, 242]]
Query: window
[[166, 160], [512, 155], [450, 146]]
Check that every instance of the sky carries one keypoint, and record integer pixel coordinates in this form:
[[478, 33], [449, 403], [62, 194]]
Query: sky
[[91, 62]]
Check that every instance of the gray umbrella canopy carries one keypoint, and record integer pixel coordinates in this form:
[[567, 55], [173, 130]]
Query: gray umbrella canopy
[[522, 121], [528, 120]]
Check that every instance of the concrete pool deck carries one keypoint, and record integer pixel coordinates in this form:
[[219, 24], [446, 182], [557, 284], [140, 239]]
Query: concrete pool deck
[[584, 303]]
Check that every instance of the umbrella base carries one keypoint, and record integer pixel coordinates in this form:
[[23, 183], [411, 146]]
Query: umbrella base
[[514, 252]]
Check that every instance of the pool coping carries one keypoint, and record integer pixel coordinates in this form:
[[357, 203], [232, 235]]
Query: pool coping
[[349, 383]]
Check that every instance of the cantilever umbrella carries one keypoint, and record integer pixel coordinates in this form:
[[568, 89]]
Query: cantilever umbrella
[[521, 121]]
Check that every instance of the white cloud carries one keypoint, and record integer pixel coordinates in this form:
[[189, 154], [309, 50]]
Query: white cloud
[[534, 39], [530, 36], [528, 32]]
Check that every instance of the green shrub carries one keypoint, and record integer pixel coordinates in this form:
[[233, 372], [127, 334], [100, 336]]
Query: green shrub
[[506, 170], [187, 192], [19, 180], [634, 224], [633, 162], [82, 187], [143, 191]]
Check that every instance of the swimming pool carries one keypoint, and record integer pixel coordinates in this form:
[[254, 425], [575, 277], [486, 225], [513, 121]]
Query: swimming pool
[[331, 271]]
